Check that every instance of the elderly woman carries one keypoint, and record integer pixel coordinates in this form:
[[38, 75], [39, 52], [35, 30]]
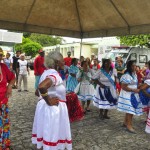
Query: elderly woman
[[7, 79], [129, 101], [51, 127], [105, 97]]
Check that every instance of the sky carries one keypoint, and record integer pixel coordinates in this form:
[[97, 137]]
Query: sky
[[70, 40]]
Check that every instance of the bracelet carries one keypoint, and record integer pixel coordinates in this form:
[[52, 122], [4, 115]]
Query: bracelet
[[44, 95]]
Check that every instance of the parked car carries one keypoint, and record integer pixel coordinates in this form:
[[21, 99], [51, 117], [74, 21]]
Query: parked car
[[31, 63], [140, 55]]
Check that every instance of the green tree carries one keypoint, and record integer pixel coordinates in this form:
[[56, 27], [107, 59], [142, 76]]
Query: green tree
[[46, 40], [29, 47], [136, 40]]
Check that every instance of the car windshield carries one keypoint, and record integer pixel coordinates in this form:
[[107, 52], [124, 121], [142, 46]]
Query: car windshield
[[113, 55]]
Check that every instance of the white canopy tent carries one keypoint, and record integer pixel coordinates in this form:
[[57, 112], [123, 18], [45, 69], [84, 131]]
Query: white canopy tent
[[77, 18]]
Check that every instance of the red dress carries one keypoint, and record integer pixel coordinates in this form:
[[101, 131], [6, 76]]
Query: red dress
[[74, 108], [5, 77]]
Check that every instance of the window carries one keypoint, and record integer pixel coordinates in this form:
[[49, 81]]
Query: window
[[142, 58], [133, 56]]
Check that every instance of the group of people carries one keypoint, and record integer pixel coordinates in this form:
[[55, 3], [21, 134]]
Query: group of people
[[19, 66], [109, 86], [59, 83]]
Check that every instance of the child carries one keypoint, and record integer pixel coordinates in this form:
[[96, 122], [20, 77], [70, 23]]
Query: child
[[85, 88]]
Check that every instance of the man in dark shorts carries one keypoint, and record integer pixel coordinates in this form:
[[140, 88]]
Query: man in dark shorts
[[15, 61]]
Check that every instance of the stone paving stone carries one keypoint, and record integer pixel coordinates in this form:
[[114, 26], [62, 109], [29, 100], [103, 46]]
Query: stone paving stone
[[89, 134]]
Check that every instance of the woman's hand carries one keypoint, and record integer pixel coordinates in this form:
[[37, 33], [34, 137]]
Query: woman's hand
[[79, 79], [136, 90], [52, 101], [102, 85], [9, 91], [73, 75]]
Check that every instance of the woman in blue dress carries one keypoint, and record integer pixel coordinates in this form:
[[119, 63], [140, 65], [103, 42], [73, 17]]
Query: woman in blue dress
[[129, 101], [72, 80]]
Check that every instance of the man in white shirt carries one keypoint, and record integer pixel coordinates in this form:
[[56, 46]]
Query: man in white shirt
[[23, 70]]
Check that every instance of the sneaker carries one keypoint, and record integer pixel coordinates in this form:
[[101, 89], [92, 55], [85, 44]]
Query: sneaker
[[26, 90], [19, 90]]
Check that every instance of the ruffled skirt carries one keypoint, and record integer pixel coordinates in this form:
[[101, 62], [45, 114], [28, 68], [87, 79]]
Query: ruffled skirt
[[51, 127], [86, 92], [103, 103], [74, 108]]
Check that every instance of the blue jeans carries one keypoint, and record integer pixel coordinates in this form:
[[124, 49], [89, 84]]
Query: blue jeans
[[37, 79]]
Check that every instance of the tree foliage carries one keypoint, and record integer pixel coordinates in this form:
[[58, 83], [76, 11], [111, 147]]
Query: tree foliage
[[29, 47], [32, 42], [46, 40], [136, 40]]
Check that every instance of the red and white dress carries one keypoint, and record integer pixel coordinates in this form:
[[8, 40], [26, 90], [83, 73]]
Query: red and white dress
[[51, 127]]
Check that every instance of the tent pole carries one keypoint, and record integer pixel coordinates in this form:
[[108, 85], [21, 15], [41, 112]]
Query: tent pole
[[81, 47]]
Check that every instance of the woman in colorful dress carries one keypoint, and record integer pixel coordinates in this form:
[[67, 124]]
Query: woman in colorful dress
[[106, 95], [85, 88], [129, 101], [72, 80], [51, 127], [7, 80]]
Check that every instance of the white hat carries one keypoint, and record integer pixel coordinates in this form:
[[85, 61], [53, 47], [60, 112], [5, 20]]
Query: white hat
[[93, 54], [22, 55]]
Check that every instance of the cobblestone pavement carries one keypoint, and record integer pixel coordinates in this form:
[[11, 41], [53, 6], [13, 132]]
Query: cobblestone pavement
[[89, 134]]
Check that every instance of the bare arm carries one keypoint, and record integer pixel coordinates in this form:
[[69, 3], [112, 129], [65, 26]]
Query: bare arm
[[73, 75], [9, 88], [126, 88], [143, 86], [98, 82], [43, 87]]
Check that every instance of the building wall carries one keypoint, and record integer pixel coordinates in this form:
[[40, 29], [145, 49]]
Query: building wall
[[87, 48], [74, 48]]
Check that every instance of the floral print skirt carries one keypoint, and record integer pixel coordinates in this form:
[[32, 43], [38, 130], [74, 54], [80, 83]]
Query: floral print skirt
[[4, 127]]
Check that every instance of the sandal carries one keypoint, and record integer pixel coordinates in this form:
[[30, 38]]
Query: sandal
[[88, 110], [131, 130]]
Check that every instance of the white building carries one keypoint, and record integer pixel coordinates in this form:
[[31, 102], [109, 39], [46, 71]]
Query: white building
[[97, 47]]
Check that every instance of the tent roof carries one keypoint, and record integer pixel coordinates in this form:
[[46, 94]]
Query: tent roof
[[76, 18]]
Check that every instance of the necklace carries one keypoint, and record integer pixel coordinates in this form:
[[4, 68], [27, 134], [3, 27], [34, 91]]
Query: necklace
[[1, 74]]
